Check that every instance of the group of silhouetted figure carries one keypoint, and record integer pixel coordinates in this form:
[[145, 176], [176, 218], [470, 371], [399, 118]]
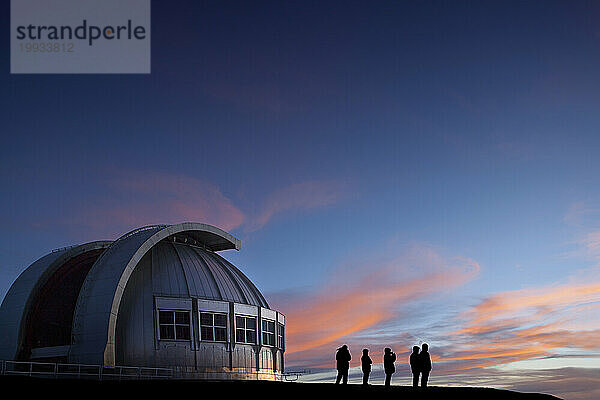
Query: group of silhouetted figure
[[420, 365]]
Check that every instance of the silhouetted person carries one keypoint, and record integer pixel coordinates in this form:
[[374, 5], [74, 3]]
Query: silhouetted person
[[425, 364], [343, 358], [415, 365], [365, 362], [388, 365]]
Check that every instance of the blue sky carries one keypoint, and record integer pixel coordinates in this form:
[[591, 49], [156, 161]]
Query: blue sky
[[335, 138]]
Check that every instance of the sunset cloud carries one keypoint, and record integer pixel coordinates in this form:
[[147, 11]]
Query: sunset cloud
[[547, 321], [130, 199], [567, 383], [585, 218], [525, 324], [580, 213], [591, 244], [299, 196], [365, 296], [498, 335], [485, 344], [135, 199], [537, 300]]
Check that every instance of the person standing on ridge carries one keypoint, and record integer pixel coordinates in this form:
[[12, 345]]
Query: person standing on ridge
[[342, 358], [415, 365], [389, 358], [425, 364], [366, 362]]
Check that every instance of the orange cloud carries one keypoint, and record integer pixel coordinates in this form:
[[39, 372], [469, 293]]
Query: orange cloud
[[350, 306], [517, 301], [525, 324]]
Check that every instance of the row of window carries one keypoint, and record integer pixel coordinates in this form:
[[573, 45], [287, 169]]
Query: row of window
[[175, 325]]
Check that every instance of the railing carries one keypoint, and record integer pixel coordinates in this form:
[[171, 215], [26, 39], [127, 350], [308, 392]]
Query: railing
[[63, 248], [292, 376], [225, 375], [81, 371], [143, 228], [99, 372]]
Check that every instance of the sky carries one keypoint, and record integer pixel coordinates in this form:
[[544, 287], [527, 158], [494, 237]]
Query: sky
[[398, 173]]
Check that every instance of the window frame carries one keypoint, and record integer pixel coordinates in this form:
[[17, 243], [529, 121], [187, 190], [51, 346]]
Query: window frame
[[174, 324], [213, 326], [280, 336], [245, 329], [266, 332]]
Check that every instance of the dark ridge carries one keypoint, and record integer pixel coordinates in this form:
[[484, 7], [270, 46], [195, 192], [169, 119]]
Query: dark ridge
[[253, 389]]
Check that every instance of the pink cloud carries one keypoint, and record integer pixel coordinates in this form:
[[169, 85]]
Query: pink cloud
[[368, 296], [586, 218], [591, 244], [537, 323], [525, 324], [299, 196], [136, 199]]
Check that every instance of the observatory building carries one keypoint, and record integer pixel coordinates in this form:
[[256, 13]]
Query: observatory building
[[159, 296]]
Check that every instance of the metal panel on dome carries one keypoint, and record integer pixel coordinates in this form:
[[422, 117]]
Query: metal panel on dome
[[228, 289], [252, 294], [136, 344], [201, 282], [168, 277]]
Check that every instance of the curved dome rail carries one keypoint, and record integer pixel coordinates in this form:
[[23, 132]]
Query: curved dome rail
[[94, 322]]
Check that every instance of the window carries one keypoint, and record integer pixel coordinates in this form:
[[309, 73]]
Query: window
[[174, 325], [213, 327], [280, 336], [245, 329], [268, 332]]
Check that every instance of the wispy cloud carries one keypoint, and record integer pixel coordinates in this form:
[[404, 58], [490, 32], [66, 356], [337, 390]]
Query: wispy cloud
[[493, 340], [567, 383], [484, 344], [136, 199], [591, 244], [581, 213], [525, 324], [585, 218], [364, 296], [535, 302], [129, 199], [299, 196]]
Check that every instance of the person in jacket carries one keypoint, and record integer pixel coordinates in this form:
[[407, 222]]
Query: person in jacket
[[425, 364], [365, 362], [342, 358], [415, 365], [389, 358]]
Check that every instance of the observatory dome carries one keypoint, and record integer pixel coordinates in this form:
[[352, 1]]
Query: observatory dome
[[159, 296]]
